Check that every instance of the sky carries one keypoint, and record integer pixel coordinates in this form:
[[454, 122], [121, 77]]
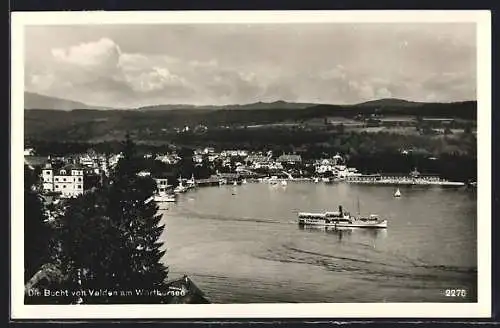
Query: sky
[[217, 64]]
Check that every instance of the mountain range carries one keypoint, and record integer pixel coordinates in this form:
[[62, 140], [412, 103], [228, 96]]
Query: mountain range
[[50, 118], [38, 101]]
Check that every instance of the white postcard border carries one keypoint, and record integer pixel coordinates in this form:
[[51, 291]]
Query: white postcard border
[[310, 310]]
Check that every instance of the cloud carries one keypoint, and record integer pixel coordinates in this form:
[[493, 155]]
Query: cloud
[[93, 69], [337, 73], [102, 55], [142, 65], [153, 79], [450, 85], [99, 67], [383, 93]]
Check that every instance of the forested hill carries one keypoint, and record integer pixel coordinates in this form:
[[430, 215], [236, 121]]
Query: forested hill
[[86, 123], [38, 101], [394, 107]]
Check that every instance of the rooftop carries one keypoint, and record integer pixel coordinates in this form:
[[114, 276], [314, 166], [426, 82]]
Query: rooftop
[[73, 167], [290, 158], [35, 160]]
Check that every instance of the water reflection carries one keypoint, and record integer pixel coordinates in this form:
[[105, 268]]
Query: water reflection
[[346, 232]]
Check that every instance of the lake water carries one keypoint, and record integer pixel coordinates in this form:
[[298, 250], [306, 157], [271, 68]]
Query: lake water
[[242, 244]]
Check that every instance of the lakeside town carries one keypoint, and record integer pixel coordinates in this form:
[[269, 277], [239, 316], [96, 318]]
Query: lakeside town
[[63, 177], [73, 175]]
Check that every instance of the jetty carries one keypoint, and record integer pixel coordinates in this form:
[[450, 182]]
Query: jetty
[[414, 178]]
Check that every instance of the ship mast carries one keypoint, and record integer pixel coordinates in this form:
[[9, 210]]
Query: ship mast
[[358, 206]]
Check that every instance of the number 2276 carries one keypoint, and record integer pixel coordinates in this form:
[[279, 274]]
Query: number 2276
[[455, 293]]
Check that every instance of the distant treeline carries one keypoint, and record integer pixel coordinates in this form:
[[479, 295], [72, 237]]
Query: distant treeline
[[312, 143], [452, 156], [113, 124]]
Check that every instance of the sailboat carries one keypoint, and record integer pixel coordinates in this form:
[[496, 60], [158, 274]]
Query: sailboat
[[397, 193], [191, 183], [180, 188]]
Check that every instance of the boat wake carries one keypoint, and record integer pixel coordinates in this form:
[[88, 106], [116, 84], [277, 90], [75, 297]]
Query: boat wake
[[405, 271], [227, 218]]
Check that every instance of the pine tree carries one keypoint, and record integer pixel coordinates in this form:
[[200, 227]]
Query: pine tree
[[88, 240], [109, 237], [137, 263], [185, 165]]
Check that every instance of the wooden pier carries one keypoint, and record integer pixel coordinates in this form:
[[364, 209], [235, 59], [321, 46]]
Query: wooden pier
[[207, 182]]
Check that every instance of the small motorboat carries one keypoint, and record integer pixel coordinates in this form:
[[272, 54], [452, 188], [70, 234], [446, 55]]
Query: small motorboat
[[284, 183], [165, 198], [273, 180], [397, 193], [180, 189]]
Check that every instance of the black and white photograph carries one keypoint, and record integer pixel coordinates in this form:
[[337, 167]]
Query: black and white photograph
[[313, 164]]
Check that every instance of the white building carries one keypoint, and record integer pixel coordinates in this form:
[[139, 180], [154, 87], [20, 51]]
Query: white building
[[212, 157], [162, 185], [168, 158], [198, 159], [69, 180], [234, 153], [114, 159], [86, 160], [334, 165], [94, 161]]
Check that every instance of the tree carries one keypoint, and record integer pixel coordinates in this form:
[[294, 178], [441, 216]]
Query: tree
[[135, 262], [185, 165], [88, 241], [108, 238], [204, 171], [37, 233]]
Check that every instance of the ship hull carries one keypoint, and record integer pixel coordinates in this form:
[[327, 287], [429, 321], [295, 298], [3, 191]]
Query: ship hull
[[164, 199], [354, 224]]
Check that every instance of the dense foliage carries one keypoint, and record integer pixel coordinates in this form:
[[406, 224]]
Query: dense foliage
[[108, 239], [37, 233]]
